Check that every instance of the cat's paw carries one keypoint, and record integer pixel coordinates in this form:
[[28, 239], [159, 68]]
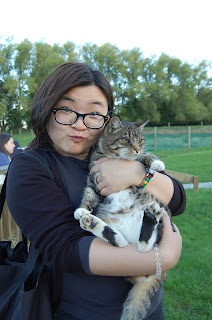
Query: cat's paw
[[89, 222], [154, 209], [80, 212], [157, 165]]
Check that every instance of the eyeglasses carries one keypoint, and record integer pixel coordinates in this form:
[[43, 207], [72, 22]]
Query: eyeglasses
[[91, 120]]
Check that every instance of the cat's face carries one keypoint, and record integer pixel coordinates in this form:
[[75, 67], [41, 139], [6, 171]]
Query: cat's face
[[123, 140]]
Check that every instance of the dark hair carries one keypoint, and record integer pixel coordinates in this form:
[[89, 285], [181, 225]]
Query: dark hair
[[61, 80], [4, 138]]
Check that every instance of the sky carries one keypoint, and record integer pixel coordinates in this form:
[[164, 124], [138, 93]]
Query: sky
[[179, 28]]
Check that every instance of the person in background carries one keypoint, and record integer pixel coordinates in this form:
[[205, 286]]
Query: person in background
[[7, 147], [17, 149]]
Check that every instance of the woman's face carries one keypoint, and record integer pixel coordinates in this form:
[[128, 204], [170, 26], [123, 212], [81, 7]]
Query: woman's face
[[76, 140], [9, 146]]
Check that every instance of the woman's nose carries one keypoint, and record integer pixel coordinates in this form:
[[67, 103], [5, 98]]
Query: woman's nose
[[79, 124]]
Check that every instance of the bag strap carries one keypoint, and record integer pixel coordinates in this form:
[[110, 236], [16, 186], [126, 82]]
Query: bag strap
[[3, 196], [35, 155], [34, 256], [47, 159]]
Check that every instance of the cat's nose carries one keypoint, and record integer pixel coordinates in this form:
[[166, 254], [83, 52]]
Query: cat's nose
[[137, 150]]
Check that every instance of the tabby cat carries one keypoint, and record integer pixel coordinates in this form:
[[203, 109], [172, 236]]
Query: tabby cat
[[122, 217]]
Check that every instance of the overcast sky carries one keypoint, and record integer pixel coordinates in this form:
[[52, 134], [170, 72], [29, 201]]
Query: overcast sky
[[179, 28]]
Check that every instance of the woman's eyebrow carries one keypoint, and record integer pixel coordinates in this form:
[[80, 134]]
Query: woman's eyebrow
[[67, 98], [96, 102], [91, 102]]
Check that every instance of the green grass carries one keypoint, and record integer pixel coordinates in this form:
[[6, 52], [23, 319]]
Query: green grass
[[188, 289], [195, 161], [23, 138]]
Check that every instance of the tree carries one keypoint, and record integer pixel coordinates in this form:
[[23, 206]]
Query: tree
[[162, 89], [7, 52]]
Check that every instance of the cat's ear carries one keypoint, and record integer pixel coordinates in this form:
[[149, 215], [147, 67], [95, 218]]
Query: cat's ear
[[141, 124], [113, 125]]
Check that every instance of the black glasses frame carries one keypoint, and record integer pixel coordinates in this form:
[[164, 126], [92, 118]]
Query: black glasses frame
[[82, 115]]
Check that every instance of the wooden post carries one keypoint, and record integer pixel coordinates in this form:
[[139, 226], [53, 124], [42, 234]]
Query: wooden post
[[5, 221], [189, 137], [185, 177], [1, 230], [196, 183], [155, 138]]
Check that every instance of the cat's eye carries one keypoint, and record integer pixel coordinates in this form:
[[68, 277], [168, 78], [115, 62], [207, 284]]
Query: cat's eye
[[141, 141], [125, 140]]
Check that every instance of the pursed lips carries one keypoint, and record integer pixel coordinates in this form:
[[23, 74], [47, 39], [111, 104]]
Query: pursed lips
[[77, 138]]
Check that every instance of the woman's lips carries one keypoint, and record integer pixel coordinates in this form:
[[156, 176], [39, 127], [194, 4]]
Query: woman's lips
[[77, 138]]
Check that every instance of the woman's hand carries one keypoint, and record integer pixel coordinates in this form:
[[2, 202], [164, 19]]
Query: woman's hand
[[117, 174], [170, 244]]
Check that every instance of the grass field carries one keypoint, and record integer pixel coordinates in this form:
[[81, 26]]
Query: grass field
[[23, 139], [195, 161], [188, 289]]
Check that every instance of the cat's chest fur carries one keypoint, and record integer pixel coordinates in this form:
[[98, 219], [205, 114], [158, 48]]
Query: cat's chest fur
[[123, 211]]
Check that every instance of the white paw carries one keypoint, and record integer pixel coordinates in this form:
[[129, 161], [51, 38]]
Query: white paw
[[80, 212], [157, 165]]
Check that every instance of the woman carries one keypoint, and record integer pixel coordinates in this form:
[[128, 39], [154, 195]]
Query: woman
[[69, 112], [6, 148]]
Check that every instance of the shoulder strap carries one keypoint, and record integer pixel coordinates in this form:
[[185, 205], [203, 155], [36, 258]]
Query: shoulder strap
[[3, 196], [35, 155], [55, 287]]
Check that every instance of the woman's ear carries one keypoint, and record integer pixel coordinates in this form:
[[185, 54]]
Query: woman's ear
[[106, 122]]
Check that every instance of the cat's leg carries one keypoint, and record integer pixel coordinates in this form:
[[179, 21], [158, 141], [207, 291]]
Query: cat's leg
[[90, 200], [152, 162], [99, 228], [151, 227]]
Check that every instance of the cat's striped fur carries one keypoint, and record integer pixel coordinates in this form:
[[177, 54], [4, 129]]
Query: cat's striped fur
[[129, 216]]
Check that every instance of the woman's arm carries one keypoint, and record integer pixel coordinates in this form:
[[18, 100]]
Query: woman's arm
[[115, 175], [44, 214], [107, 260], [46, 217]]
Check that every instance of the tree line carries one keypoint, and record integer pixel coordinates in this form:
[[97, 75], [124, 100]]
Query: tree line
[[163, 89]]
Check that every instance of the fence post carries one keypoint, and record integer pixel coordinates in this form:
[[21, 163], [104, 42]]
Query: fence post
[[189, 137], [155, 138]]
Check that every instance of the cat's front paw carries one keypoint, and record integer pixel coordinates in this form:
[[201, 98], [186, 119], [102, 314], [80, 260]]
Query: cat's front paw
[[157, 165], [80, 212]]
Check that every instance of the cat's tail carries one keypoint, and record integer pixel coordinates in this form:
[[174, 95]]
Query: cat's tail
[[138, 300]]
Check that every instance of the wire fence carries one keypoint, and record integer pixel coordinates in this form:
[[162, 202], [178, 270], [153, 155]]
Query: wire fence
[[169, 138]]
